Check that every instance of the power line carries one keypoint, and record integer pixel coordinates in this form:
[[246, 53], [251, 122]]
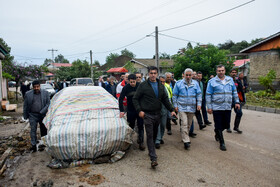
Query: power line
[[207, 17], [177, 38], [123, 46]]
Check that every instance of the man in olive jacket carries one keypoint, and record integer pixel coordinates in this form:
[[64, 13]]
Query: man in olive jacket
[[36, 103], [147, 101]]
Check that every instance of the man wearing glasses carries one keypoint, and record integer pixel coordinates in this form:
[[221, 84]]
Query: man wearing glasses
[[147, 102], [138, 77]]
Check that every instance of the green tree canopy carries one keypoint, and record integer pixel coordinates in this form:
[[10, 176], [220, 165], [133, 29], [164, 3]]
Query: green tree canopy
[[164, 56], [60, 59], [78, 69], [128, 53], [5, 45], [200, 59]]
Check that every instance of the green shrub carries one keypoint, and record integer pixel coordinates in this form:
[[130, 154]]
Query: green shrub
[[267, 80]]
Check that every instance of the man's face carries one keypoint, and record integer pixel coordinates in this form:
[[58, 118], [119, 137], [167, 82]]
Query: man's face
[[162, 80], [199, 77], [168, 78], [111, 80], [188, 76], [126, 78], [233, 73], [122, 77], [194, 75], [100, 79], [36, 88], [153, 75], [241, 76], [132, 82], [221, 72], [138, 77]]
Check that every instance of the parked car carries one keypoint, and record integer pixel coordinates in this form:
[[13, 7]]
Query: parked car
[[11, 83], [81, 82], [49, 89]]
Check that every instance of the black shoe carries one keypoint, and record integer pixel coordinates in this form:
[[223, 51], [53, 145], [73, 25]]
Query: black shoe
[[154, 164], [187, 145], [193, 135], [33, 148], [208, 123], [169, 132], [161, 142], [202, 127], [237, 130], [157, 145], [223, 147], [229, 131], [141, 147]]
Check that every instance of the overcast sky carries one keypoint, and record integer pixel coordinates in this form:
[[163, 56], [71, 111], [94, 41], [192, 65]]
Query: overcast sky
[[32, 27]]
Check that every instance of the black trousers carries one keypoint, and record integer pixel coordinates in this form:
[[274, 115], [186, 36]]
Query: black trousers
[[222, 119], [151, 122]]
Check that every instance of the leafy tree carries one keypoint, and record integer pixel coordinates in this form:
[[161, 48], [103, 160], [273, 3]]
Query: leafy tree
[[96, 63], [111, 58], [60, 59], [47, 62], [267, 81], [164, 56], [5, 45], [227, 45], [130, 67], [128, 53], [200, 59], [189, 45], [18, 72], [78, 69]]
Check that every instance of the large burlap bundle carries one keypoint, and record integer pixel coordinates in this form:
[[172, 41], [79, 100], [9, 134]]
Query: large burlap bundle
[[83, 123]]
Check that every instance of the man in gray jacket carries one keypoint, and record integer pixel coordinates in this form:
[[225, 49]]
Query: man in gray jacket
[[36, 103]]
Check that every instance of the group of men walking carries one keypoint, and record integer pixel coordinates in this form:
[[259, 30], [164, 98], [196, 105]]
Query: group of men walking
[[157, 101]]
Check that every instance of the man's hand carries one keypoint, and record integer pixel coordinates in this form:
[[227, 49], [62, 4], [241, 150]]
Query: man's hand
[[176, 109], [210, 111], [174, 114], [122, 114], [198, 108], [141, 114], [237, 106]]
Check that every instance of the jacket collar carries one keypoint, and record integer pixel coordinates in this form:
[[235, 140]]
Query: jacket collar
[[227, 78]]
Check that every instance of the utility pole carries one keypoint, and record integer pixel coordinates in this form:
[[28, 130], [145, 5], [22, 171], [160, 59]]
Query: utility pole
[[91, 68], [53, 50], [156, 55]]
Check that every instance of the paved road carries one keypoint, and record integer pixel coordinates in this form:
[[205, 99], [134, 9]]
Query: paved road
[[252, 159]]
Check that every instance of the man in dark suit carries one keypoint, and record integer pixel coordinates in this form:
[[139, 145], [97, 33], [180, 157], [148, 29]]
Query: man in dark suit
[[36, 103], [100, 82]]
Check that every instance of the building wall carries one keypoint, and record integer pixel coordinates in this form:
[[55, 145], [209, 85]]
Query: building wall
[[260, 64]]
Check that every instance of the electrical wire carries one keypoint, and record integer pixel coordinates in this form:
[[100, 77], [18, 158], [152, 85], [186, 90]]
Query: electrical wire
[[125, 45], [177, 38], [191, 23]]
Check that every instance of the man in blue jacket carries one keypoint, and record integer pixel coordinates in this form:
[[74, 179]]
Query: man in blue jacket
[[220, 95], [186, 99]]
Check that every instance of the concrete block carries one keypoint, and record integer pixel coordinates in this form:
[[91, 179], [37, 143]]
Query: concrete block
[[11, 107], [245, 107], [270, 110], [251, 107], [277, 111], [260, 109]]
